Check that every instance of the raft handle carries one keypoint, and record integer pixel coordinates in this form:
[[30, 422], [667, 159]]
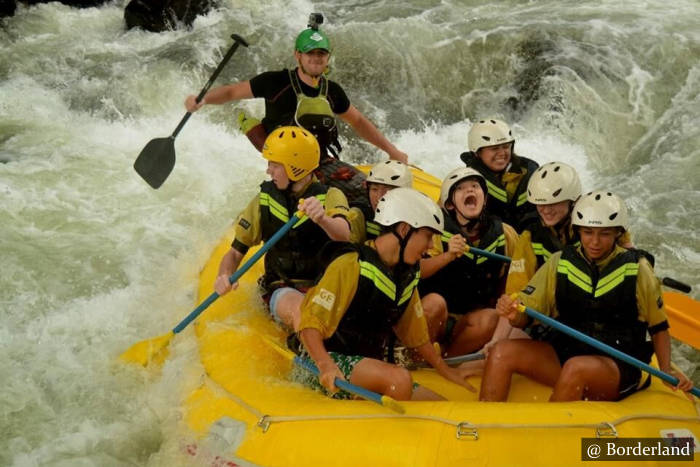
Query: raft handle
[[605, 430], [465, 429], [264, 423]]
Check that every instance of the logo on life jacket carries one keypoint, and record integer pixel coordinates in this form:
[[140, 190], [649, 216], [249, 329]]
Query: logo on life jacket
[[324, 298]]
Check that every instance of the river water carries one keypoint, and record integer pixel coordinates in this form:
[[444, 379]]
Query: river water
[[94, 260]]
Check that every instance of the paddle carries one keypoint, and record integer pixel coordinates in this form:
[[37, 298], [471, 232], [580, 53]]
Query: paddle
[[674, 284], [358, 391], [155, 350], [480, 252], [684, 317], [602, 346], [157, 159]]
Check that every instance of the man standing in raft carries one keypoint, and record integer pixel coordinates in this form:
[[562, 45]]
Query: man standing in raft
[[369, 292], [290, 265], [305, 97], [604, 291]]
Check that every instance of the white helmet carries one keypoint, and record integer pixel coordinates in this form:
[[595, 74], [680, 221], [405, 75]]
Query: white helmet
[[456, 176], [392, 173], [488, 133], [553, 182], [600, 209], [409, 206]]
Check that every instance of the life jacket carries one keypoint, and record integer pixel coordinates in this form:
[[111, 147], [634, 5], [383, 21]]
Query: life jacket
[[372, 230], [475, 278], [601, 304], [315, 114], [379, 302], [514, 210], [544, 242], [294, 256]]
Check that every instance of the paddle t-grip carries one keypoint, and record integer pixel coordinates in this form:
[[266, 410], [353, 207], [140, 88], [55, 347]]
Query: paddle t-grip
[[674, 284]]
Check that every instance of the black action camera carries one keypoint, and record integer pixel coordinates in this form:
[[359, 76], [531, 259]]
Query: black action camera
[[315, 19]]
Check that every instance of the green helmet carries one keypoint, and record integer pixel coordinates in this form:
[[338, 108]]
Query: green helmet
[[310, 39]]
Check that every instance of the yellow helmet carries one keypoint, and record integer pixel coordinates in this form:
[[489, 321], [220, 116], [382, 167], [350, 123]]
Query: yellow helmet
[[295, 148]]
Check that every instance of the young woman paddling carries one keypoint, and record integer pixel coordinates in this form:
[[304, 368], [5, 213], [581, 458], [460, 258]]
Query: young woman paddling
[[601, 289]]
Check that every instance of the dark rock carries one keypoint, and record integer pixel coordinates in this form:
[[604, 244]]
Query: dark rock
[[7, 8], [164, 15], [535, 55]]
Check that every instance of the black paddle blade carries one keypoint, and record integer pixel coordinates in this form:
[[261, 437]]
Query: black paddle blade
[[156, 161]]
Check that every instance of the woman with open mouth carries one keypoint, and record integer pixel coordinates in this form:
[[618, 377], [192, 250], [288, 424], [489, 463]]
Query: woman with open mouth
[[461, 289]]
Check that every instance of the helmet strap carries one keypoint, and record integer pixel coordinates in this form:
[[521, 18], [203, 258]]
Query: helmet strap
[[403, 241]]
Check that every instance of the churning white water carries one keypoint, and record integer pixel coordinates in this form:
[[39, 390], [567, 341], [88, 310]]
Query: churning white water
[[94, 260]]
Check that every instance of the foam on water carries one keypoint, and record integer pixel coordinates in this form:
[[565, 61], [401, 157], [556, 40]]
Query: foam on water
[[94, 260]]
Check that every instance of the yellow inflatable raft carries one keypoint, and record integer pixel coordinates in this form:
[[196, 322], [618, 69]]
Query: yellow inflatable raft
[[249, 412]]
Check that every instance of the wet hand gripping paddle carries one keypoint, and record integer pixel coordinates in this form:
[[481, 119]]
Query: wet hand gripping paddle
[[157, 159]]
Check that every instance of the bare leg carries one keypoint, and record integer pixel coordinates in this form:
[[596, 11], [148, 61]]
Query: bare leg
[[534, 359], [384, 378], [473, 331], [594, 377], [476, 367], [435, 310], [288, 308]]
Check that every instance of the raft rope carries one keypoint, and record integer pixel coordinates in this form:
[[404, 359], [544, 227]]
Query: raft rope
[[464, 429]]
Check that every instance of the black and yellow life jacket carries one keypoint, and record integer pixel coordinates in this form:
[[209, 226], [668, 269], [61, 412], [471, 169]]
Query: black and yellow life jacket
[[379, 302], [545, 242], [473, 278], [294, 256], [601, 304], [372, 230], [512, 211]]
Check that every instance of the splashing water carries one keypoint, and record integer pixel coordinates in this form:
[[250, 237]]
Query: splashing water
[[94, 260]]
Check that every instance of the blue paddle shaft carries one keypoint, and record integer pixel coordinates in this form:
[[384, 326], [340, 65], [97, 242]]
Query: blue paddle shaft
[[605, 348], [480, 252], [489, 254], [342, 384], [237, 275]]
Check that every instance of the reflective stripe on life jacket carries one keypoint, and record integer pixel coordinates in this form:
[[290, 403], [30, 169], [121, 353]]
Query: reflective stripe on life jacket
[[545, 243], [474, 279], [601, 304], [378, 304], [514, 210], [294, 256], [372, 229]]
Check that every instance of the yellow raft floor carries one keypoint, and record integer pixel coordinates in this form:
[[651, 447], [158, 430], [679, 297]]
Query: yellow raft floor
[[260, 417]]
